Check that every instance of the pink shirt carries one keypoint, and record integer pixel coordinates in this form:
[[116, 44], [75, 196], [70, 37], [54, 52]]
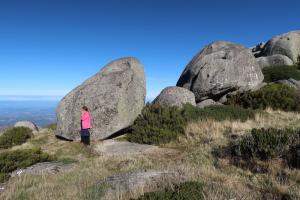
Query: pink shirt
[[86, 120]]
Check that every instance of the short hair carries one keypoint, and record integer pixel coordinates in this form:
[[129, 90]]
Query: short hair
[[85, 108]]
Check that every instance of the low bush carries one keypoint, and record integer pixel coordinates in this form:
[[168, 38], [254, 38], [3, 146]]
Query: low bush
[[280, 72], [188, 190], [265, 144], [162, 124], [157, 125], [3, 177], [276, 96], [12, 160], [14, 136], [218, 113]]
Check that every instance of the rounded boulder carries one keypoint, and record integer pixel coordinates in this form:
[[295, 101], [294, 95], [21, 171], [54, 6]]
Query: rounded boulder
[[220, 68], [175, 96]]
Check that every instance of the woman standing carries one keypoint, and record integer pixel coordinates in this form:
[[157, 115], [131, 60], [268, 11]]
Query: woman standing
[[85, 125]]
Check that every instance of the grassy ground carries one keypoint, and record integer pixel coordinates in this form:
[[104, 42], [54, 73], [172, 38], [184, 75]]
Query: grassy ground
[[194, 157]]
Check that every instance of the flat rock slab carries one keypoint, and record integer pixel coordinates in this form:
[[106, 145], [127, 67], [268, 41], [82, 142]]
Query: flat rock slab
[[113, 147], [132, 184], [44, 168]]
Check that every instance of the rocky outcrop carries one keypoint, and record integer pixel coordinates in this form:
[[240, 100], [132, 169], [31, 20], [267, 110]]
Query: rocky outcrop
[[208, 102], [122, 148], [44, 168], [274, 60], [113, 147], [133, 184], [257, 49], [115, 96], [291, 83], [287, 44], [175, 96], [27, 124], [219, 68]]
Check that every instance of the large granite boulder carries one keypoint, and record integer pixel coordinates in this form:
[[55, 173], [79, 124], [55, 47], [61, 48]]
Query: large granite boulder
[[219, 68], [115, 96], [274, 60], [27, 124], [287, 44], [175, 96]]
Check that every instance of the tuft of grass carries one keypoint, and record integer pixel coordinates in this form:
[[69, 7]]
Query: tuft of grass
[[280, 72], [52, 126], [15, 136]]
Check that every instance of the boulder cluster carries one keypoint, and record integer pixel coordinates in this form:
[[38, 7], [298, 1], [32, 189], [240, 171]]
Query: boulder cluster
[[116, 94]]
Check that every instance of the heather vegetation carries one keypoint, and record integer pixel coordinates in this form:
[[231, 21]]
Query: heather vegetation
[[275, 96], [14, 136], [280, 72], [163, 124], [12, 160]]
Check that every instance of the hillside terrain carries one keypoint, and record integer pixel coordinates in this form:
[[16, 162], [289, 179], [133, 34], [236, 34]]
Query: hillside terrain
[[190, 158]]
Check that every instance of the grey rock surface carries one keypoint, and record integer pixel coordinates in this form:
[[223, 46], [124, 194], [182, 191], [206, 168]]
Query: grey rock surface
[[290, 82], [115, 96], [114, 147], [27, 124], [208, 102], [287, 44], [274, 60], [219, 68], [256, 51], [44, 168], [175, 96], [133, 184]]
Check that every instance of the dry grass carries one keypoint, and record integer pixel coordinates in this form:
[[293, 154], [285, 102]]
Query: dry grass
[[211, 130], [194, 159]]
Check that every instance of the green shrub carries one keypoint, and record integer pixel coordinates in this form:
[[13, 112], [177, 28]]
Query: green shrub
[[12, 160], [14, 136], [276, 96], [184, 191], [264, 144], [3, 177], [157, 125], [218, 113], [280, 72], [52, 126], [162, 124]]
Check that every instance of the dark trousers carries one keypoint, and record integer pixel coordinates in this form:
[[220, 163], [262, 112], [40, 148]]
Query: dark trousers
[[85, 136]]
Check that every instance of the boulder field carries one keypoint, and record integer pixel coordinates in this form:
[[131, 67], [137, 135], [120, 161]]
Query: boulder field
[[116, 94]]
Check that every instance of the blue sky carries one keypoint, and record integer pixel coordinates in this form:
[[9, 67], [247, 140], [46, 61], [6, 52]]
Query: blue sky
[[48, 47]]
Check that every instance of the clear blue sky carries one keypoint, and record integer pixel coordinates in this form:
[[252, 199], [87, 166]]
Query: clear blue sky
[[47, 47]]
